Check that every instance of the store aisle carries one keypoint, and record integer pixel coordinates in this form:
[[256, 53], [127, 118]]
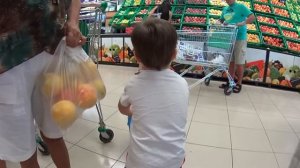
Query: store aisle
[[258, 128]]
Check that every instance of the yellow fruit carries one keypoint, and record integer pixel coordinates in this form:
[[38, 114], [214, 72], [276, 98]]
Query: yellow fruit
[[64, 113], [282, 71], [275, 82], [87, 96], [52, 84], [101, 90]]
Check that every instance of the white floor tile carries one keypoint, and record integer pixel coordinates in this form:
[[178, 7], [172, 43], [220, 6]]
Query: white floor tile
[[250, 139], [81, 158], [210, 115], [117, 120], [276, 122], [245, 159], [265, 108], [207, 157], [240, 106], [283, 160], [295, 123], [79, 130], [209, 102], [246, 120], [283, 142], [119, 165], [210, 135], [111, 99], [260, 98], [114, 149], [191, 110]]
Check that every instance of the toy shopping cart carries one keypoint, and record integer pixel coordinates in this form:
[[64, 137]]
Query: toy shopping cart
[[212, 49], [90, 23]]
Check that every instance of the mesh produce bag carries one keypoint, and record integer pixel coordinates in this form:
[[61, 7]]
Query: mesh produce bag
[[70, 84]]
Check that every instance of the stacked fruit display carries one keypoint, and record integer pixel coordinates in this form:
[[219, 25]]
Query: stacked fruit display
[[281, 12], [195, 11], [213, 21], [218, 2], [138, 19], [122, 12], [293, 46], [136, 2], [131, 12], [247, 4], [265, 19], [115, 21], [143, 11], [197, 1], [273, 41], [215, 12], [191, 28], [277, 3], [290, 34], [195, 19], [178, 11], [124, 21], [253, 38], [268, 29], [262, 8], [285, 24], [263, 1], [294, 16], [251, 27]]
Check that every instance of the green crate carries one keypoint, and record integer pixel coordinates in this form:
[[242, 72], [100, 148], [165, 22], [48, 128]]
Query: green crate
[[193, 22], [259, 43], [262, 4], [281, 23], [215, 18], [131, 11], [246, 3], [294, 31], [294, 16], [255, 25], [277, 13], [193, 27], [276, 3], [215, 9], [175, 21], [180, 2], [175, 10], [122, 11], [266, 19], [145, 10], [188, 8], [271, 26], [296, 50], [272, 46], [127, 3], [138, 2], [218, 3], [115, 20], [261, 1], [197, 2]]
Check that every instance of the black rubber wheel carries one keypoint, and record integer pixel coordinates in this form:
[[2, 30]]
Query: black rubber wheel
[[207, 81], [42, 147], [106, 136], [227, 91]]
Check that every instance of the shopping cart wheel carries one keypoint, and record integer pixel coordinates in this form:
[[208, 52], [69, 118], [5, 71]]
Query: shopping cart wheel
[[42, 147], [207, 81], [106, 136], [227, 90]]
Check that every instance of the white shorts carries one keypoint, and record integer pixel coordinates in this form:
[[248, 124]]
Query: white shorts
[[17, 130]]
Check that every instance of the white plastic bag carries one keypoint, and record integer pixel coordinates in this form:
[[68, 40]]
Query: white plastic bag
[[70, 84]]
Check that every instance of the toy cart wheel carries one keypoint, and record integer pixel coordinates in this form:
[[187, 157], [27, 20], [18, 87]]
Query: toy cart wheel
[[227, 90], [106, 136], [42, 147], [207, 81]]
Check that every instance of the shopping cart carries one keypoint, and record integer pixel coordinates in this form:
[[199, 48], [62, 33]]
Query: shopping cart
[[90, 24], [212, 49]]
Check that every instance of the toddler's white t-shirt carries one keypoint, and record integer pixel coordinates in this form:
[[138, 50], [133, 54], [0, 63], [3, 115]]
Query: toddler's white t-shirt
[[159, 103]]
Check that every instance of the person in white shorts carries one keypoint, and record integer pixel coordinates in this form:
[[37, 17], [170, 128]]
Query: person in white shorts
[[157, 99], [28, 29]]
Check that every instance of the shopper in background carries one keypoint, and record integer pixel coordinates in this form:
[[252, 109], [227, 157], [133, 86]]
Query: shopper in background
[[28, 29], [239, 15], [163, 11], [157, 99]]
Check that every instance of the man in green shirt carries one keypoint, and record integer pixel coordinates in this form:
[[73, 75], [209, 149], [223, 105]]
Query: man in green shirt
[[239, 15]]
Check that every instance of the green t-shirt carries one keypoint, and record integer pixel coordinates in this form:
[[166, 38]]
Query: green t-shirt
[[236, 13]]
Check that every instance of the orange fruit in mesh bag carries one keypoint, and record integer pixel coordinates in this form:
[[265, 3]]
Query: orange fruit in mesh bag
[[100, 87], [64, 113], [52, 84], [87, 96]]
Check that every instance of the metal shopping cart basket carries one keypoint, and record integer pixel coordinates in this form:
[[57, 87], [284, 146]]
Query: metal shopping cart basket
[[211, 49]]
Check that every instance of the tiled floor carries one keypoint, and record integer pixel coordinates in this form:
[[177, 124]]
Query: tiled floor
[[258, 128]]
